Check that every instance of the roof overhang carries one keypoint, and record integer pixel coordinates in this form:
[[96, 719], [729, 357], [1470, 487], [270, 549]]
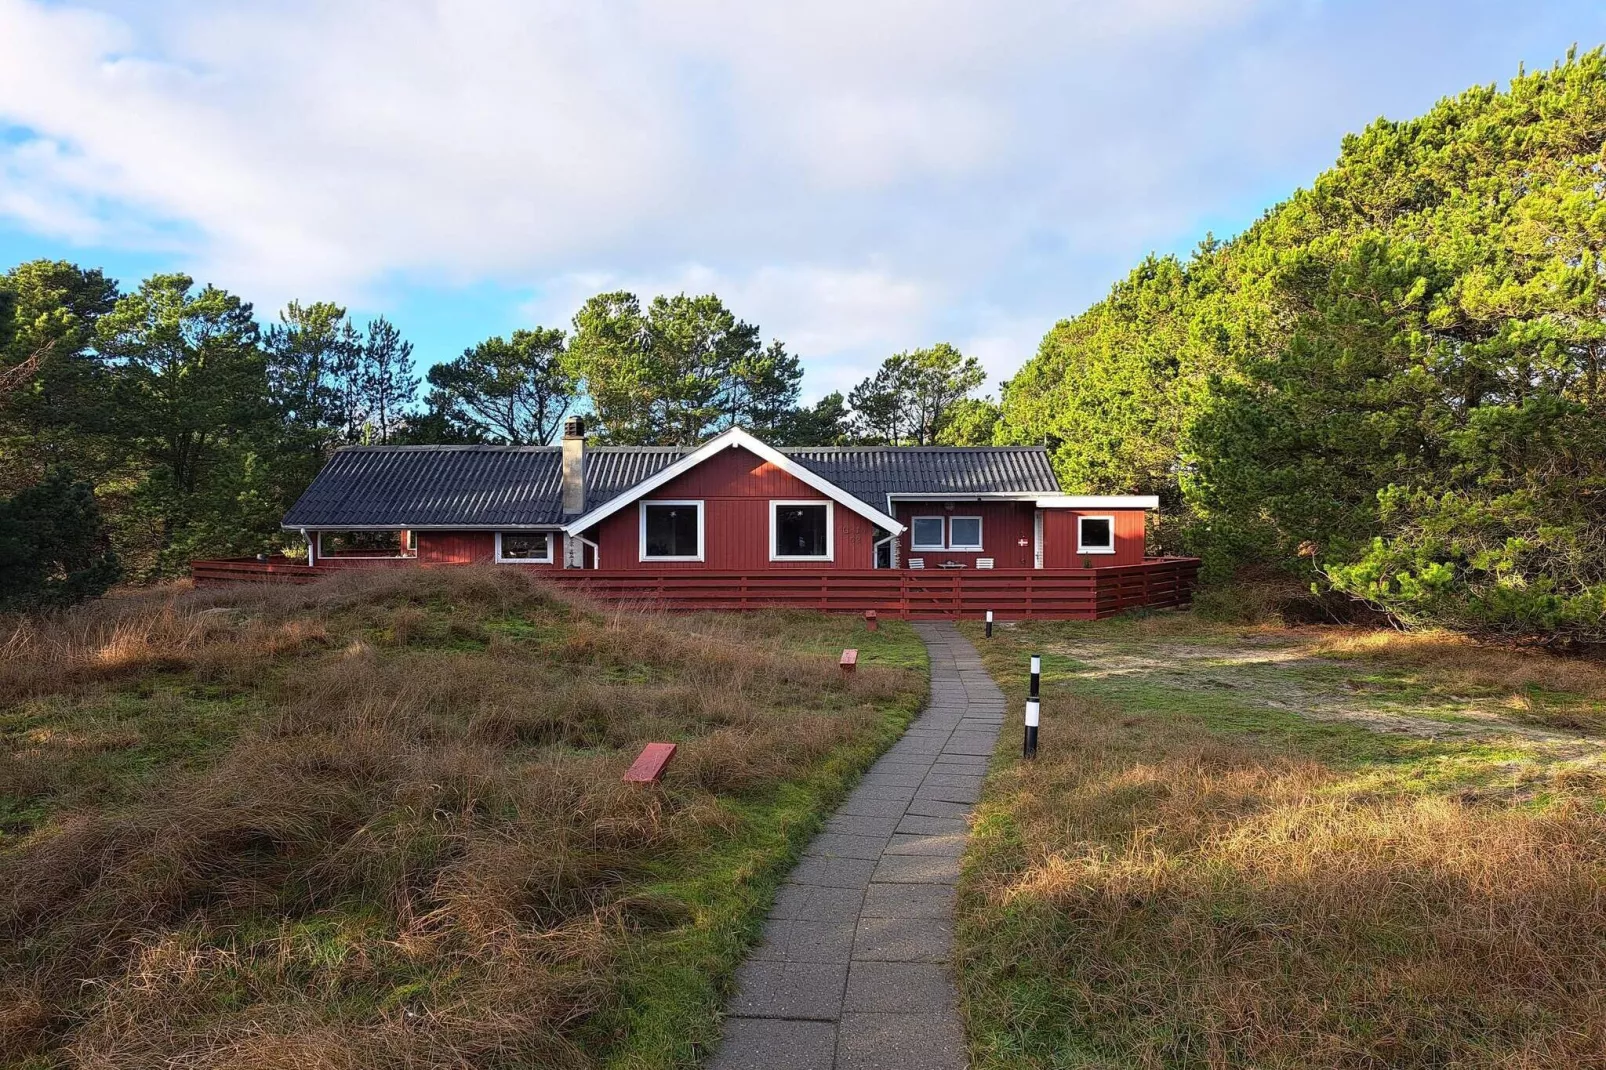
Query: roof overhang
[[979, 496], [421, 527], [1099, 501], [735, 438]]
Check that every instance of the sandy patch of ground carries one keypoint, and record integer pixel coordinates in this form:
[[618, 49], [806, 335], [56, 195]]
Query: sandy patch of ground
[[1275, 674]]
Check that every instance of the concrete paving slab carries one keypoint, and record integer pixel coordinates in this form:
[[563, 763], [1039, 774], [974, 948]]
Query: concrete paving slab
[[808, 990], [834, 872], [915, 825], [856, 825], [776, 1044], [908, 901], [900, 1042], [900, 988], [810, 902], [903, 940], [872, 808], [916, 869], [806, 941], [846, 845], [942, 843], [932, 808]]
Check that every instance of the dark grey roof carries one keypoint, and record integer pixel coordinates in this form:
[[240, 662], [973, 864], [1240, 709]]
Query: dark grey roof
[[518, 486], [870, 473]]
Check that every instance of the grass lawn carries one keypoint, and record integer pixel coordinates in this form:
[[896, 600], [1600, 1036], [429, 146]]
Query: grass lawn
[[378, 822], [1260, 847]]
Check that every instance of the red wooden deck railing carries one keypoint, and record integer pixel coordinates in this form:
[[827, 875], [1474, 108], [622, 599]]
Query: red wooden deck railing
[[1012, 594]]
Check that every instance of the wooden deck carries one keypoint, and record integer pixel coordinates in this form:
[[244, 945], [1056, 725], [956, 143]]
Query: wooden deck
[[1012, 594]]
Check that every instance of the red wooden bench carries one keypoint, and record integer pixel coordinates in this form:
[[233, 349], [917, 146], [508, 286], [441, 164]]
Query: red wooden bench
[[850, 658]]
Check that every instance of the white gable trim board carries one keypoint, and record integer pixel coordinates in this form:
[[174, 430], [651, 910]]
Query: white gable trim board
[[735, 438]]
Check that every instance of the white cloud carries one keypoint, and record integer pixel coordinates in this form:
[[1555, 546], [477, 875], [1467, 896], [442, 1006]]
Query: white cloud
[[858, 176]]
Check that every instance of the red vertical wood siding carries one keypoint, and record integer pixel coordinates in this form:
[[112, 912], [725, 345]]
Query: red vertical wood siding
[[736, 488], [456, 547], [1059, 538], [1003, 526], [474, 548]]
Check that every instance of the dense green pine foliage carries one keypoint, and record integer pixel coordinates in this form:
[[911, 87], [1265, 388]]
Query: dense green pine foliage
[[195, 427], [1394, 378], [54, 549]]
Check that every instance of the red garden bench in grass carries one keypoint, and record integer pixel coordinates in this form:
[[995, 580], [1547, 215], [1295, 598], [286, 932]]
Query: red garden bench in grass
[[850, 658]]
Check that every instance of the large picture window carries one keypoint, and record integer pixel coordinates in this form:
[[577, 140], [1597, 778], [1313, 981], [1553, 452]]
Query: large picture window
[[528, 547], [672, 531], [800, 531], [927, 533], [366, 544], [1095, 535]]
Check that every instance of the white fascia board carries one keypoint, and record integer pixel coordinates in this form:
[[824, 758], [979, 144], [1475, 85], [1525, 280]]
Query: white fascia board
[[1100, 501], [983, 496], [731, 439]]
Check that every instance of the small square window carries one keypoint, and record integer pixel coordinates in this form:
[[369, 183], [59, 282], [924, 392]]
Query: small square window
[[1095, 535], [927, 533], [964, 533]]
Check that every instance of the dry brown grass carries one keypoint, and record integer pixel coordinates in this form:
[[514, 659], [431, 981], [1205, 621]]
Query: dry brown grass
[[1458, 659], [1152, 892], [417, 851]]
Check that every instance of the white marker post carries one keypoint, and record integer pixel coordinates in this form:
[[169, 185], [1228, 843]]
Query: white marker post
[[989, 624], [1033, 709]]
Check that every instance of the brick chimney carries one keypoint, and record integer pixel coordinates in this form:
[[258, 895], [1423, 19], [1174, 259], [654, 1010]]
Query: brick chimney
[[574, 466]]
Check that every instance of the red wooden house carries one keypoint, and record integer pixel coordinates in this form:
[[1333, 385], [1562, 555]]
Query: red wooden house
[[737, 522]]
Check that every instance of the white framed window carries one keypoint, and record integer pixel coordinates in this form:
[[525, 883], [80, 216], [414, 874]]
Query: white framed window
[[366, 544], [926, 533], [964, 533], [1095, 534], [802, 530], [524, 547], [672, 530]]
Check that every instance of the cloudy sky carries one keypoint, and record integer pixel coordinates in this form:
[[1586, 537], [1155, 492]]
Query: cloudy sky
[[856, 176]]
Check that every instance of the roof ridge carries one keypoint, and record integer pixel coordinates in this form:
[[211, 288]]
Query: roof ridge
[[443, 447], [910, 449], [503, 447]]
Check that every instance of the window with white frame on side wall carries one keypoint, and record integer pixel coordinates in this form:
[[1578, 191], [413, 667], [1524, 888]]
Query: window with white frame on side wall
[[927, 533], [524, 547], [1095, 534], [964, 533]]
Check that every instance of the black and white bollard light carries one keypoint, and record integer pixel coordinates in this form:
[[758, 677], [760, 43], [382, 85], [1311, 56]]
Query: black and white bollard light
[[1034, 706], [989, 624]]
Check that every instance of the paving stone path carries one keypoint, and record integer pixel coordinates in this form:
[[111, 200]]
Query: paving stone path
[[853, 971]]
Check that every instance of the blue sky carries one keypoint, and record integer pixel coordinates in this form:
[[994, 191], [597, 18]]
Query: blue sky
[[855, 176]]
